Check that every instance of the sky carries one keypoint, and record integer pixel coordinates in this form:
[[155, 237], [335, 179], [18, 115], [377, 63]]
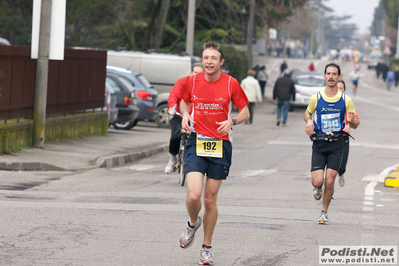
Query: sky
[[362, 11]]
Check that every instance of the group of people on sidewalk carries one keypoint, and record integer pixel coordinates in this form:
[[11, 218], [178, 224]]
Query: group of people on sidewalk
[[204, 103]]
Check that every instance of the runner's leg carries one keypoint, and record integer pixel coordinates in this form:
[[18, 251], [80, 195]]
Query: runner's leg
[[328, 187], [211, 212], [194, 191]]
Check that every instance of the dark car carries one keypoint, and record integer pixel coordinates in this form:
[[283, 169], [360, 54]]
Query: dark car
[[125, 103], [146, 95]]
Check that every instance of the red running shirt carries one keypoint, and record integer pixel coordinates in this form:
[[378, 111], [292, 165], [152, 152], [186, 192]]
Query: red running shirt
[[212, 102], [174, 95]]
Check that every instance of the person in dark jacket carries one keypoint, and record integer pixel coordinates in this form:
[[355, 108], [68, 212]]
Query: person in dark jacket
[[384, 71], [283, 66], [284, 89]]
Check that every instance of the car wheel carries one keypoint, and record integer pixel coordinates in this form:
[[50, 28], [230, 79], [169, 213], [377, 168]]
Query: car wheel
[[291, 108], [126, 125], [162, 119]]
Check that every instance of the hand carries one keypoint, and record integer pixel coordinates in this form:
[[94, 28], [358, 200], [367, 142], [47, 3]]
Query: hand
[[347, 129], [224, 127], [351, 117], [184, 123], [309, 128]]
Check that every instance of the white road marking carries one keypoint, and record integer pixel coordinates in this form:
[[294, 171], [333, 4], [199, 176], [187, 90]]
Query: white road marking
[[369, 198], [140, 167], [377, 103], [357, 144], [369, 191], [252, 173]]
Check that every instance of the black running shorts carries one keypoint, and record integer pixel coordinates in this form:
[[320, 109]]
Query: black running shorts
[[327, 154]]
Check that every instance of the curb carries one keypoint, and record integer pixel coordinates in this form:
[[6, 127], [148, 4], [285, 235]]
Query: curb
[[100, 162]]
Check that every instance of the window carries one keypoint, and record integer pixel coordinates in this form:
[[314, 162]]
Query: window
[[311, 82], [127, 83], [113, 84]]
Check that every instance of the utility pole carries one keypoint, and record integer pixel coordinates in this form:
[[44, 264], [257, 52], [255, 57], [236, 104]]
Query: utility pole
[[250, 33], [397, 41], [39, 110], [190, 27]]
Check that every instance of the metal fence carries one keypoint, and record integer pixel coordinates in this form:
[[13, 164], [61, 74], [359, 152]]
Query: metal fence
[[74, 84]]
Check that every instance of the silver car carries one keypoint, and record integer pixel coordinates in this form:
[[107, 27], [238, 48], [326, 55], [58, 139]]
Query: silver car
[[306, 86]]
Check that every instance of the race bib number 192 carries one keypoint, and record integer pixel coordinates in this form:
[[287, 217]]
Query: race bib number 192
[[207, 147]]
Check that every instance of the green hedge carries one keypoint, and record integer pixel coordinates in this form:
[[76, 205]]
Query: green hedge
[[393, 63]]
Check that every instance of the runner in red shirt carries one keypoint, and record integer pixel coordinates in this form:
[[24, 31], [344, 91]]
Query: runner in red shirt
[[209, 148], [174, 110]]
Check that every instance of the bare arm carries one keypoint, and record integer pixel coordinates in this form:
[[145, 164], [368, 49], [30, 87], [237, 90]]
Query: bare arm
[[309, 128], [184, 107], [225, 126]]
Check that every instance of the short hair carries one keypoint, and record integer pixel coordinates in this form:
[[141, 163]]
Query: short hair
[[343, 83], [251, 72], [333, 65], [214, 46], [197, 64]]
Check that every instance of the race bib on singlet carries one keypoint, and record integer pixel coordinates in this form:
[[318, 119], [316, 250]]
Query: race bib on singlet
[[331, 122], [209, 147]]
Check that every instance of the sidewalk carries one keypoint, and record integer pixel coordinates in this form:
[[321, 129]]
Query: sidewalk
[[117, 148]]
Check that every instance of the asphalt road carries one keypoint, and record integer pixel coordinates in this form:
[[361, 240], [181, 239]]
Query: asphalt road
[[133, 215]]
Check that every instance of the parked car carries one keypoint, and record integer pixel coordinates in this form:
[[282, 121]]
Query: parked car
[[161, 70], [4, 41], [125, 102], [145, 94], [306, 86], [110, 104]]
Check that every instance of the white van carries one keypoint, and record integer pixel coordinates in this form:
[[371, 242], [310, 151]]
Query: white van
[[161, 70]]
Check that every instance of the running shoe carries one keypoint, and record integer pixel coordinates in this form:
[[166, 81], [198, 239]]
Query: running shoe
[[317, 193], [323, 219], [341, 180], [206, 256], [170, 167], [187, 237], [333, 195]]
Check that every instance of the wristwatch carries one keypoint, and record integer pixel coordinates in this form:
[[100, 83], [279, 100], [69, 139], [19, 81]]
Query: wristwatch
[[234, 121]]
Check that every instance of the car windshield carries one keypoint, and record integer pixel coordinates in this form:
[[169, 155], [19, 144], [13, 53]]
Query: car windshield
[[311, 82], [144, 81]]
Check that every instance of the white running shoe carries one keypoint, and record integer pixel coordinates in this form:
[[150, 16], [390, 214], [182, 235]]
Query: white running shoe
[[206, 256], [170, 166], [187, 237], [323, 218], [341, 180], [317, 193]]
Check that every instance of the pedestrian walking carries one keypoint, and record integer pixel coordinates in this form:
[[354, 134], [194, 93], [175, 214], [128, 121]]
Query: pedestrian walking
[[378, 69], [174, 111], [209, 147], [325, 121], [396, 76], [283, 67], [284, 89], [384, 71], [251, 88], [311, 67], [355, 76], [390, 79], [262, 77]]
